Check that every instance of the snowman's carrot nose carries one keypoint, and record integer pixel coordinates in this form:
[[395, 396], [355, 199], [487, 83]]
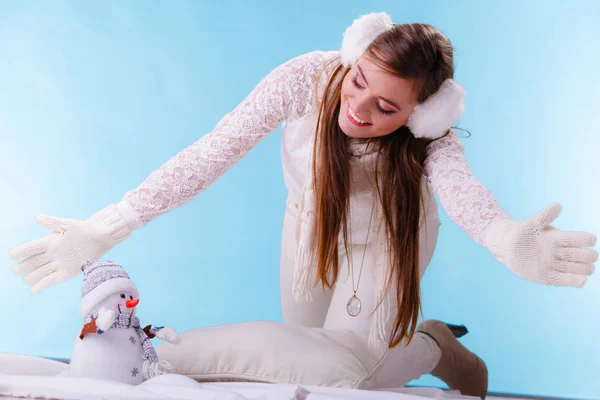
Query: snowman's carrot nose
[[132, 303]]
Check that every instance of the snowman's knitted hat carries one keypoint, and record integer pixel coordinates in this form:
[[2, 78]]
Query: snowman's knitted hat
[[100, 280]]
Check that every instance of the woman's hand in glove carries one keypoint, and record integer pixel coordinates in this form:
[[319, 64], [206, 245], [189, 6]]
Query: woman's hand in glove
[[58, 256], [537, 251]]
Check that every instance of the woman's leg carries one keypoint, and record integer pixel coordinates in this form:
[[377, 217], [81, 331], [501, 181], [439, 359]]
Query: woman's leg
[[407, 362], [298, 313], [433, 348], [403, 363]]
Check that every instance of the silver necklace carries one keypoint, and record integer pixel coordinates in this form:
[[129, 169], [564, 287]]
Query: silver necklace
[[354, 305]]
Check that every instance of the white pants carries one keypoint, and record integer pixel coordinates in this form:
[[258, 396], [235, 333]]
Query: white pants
[[328, 308]]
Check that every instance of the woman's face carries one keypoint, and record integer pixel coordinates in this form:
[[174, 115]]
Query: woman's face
[[374, 103]]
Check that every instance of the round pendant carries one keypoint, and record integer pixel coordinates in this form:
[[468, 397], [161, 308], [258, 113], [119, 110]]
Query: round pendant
[[353, 306]]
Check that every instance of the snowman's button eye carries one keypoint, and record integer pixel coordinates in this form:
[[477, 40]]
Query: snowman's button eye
[[131, 297], [122, 296]]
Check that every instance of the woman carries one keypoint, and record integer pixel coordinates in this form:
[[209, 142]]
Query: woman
[[366, 136]]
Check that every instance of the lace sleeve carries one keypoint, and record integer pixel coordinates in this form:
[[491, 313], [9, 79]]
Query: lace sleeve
[[285, 93], [465, 200]]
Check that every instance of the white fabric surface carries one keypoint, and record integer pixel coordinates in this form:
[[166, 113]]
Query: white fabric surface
[[179, 387], [19, 364], [22, 376]]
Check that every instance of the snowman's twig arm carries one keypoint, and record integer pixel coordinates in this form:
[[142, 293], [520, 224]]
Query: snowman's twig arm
[[151, 332], [90, 327]]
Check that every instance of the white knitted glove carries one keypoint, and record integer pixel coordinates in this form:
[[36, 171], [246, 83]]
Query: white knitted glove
[[168, 335], [58, 256], [536, 251], [105, 320]]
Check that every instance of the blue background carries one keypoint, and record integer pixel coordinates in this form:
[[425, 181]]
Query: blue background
[[95, 96]]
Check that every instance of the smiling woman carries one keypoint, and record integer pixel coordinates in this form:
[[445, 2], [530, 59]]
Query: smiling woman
[[367, 149], [374, 101]]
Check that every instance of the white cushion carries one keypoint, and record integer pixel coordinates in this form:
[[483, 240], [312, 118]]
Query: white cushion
[[272, 352]]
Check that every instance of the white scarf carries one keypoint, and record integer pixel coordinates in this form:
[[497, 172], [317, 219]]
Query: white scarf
[[306, 261]]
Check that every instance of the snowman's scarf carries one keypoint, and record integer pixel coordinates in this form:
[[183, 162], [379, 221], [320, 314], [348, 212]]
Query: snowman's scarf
[[151, 361]]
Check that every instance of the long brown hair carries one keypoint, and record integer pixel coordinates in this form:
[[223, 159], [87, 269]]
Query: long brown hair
[[418, 52]]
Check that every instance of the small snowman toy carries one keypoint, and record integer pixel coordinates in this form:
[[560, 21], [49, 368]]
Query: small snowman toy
[[112, 345]]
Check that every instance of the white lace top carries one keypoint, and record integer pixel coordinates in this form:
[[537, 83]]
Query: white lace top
[[287, 96]]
